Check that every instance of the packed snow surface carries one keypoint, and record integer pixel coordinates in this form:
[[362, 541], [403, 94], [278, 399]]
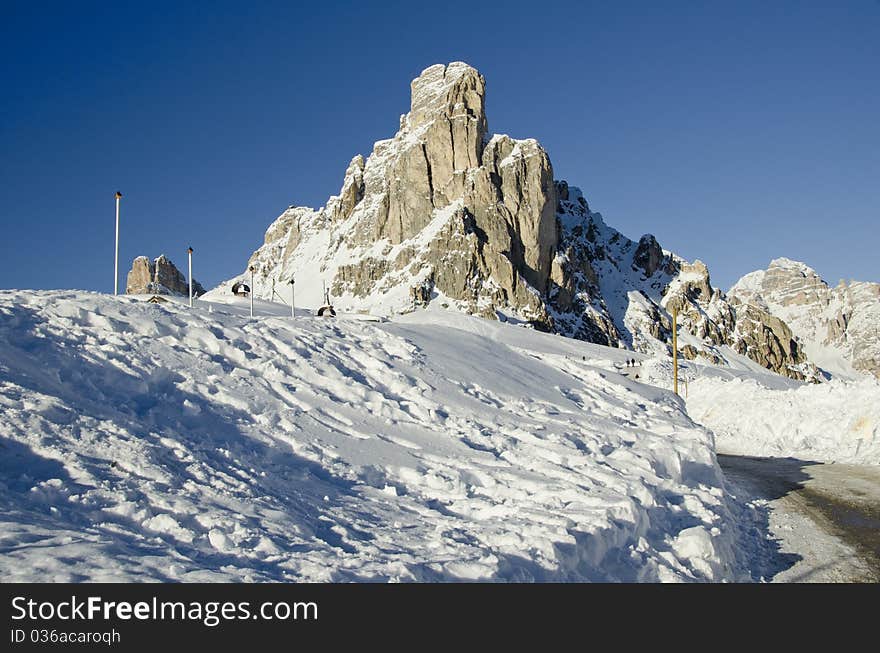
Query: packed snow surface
[[158, 442], [837, 421], [753, 412]]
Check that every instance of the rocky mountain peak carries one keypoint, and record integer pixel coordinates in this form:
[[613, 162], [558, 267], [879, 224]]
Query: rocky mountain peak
[[442, 213], [648, 255], [158, 277], [839, 327], [790, 265], [451, 91]]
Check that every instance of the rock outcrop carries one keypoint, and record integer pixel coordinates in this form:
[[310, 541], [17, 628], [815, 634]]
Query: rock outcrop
[[158, 277], [637, 285], [767, 340], [839, 327], [445, 213]]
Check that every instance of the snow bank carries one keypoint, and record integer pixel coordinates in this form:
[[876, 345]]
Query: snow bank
[[155, 442], [831, 422]]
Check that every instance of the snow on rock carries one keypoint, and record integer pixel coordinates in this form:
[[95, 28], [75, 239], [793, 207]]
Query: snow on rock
[[443, 212], [153, 442], [837, 421], [839, 326]]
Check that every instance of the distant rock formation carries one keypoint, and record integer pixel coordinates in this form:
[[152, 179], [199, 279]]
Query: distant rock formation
[[840, 326], [445, 213], [159, 277]]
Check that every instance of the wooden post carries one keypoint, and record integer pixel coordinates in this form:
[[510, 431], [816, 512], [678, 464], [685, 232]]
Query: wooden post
[[675, 349]]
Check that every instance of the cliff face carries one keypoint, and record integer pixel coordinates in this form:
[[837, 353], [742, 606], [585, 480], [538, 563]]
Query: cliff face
[[630, 288], [443, 213], [158, 277], [839, 327]]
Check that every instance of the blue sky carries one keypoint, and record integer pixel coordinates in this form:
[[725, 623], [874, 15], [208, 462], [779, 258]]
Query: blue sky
[[735, 132]]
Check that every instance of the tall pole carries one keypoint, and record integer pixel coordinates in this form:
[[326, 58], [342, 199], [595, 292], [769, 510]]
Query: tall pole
[[292, 297], [190, 252], [116, 261], [675, 349], [253, 289]]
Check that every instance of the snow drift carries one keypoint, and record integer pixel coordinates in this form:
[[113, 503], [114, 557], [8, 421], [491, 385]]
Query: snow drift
[[154, 442], [830, 422]]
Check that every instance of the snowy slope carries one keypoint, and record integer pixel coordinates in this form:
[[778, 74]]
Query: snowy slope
[[155, 442]]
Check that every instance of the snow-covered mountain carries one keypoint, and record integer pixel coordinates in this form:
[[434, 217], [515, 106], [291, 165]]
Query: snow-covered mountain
[[839, 327], [444, 213]]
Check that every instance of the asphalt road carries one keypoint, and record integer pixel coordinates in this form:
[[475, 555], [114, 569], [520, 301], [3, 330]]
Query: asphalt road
[[826, 517]]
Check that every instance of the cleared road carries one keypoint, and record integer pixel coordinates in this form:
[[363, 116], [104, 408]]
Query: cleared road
[[825, 517]]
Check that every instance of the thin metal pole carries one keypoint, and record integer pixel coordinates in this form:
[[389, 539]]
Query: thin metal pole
[[292, 297], [190, 252], [116, 260], [253, 290], [675, 350]]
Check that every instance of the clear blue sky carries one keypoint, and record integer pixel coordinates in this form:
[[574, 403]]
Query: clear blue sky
[[736, 132]]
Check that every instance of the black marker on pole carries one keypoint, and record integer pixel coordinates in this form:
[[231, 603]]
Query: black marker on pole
[[190, 252], [292, 297]]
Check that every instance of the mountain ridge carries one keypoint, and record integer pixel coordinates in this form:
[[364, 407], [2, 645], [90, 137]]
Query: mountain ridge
[[839, 326], [443, 212]]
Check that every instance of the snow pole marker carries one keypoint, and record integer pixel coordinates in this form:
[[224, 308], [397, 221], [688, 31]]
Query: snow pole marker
[[189, 251], [292, 297], [675, 349], [116, 260], [253, 289]]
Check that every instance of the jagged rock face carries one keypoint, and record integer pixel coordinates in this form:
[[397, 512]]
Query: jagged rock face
[[140, 276], [444, 213], [159, 277], [768, 340], [439, 205], [284, 235], [352, 191], [838, 326], [648, 255], [638, 285], [513, 201]]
